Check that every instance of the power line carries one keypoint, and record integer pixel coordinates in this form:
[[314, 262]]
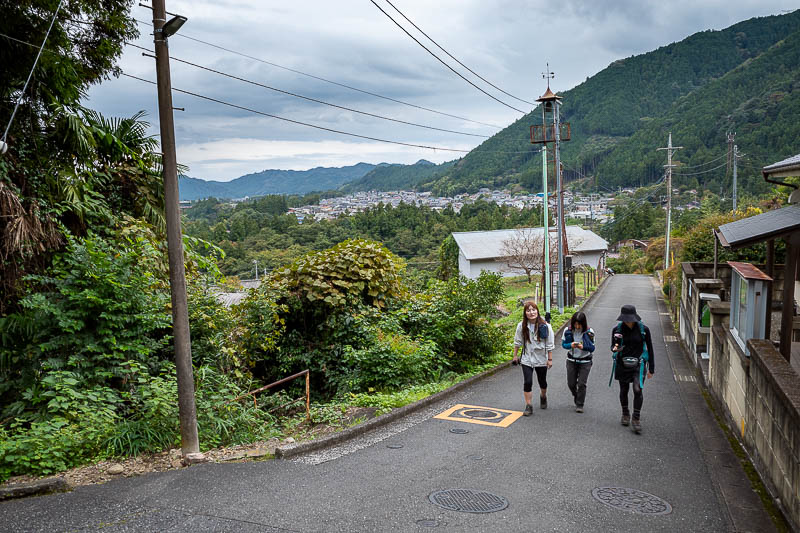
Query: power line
[[707, 162], [376, 95], [456, 60], [243, 108], [3, 146], [232, 76], [442, 62], [702, 171], [445, 149]]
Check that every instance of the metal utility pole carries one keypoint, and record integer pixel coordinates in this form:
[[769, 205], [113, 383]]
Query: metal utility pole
[[545, 203], [255, 262], [733, 156], [670, 149], [177, 274], [550, 131]]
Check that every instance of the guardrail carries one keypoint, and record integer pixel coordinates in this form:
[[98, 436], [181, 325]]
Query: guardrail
[[280, 382]]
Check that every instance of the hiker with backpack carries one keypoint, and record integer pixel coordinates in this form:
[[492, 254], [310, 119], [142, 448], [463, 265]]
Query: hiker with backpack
[[578, 339], [535, 336], [632, 346]]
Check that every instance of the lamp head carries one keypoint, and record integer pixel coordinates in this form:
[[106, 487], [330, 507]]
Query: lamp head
[[173, 25]]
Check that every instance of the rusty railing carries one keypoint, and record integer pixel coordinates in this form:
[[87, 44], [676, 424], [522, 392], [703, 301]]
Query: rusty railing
[[280, 382]]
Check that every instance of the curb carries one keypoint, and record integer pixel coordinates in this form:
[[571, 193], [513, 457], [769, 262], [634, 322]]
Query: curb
[[34, 488], [294, 450]]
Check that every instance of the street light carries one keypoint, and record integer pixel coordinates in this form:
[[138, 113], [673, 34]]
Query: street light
[[172, 26]]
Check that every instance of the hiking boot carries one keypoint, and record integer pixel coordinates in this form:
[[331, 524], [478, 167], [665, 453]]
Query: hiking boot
[[636, 426], [528, 410], [543, 402], [626, 420], [579, 409]]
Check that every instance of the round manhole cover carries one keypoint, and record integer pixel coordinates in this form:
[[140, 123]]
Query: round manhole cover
[[631, 500], [460, 431], [480, 414], [468, 500]]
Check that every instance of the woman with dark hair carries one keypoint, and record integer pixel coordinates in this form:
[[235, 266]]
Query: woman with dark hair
[[578, 339], [535, 336], [633, 360]]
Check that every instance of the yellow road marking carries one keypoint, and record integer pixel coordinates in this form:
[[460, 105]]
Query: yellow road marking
[[499, 417]]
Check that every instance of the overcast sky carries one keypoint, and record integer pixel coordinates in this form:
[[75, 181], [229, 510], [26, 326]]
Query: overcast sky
[[508, 42]]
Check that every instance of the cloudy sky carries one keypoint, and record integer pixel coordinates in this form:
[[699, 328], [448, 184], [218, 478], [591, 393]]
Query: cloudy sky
[[351, 42]]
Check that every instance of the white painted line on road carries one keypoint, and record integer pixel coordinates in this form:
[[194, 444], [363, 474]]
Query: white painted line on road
[[670, 338], [685, 378]]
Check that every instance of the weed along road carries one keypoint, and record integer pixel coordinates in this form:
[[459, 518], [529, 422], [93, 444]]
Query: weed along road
[[469, 462]]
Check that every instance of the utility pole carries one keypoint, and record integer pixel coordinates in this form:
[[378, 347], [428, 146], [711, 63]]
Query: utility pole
[[545, 203], [670, 149], [255, 262], [733, 156], [550, 132], [190, 446]]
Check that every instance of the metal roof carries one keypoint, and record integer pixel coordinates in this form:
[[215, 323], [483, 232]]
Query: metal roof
[[488, 244], [748, 271], [788, 167], [760, 228]]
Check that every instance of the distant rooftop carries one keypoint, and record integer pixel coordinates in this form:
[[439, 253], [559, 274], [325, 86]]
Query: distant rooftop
[[489, 244]]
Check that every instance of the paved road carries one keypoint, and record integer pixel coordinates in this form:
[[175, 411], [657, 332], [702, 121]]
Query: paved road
[[545, 466]]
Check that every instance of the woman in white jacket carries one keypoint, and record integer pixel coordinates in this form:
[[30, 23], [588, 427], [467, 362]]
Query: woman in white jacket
[[535, 336]]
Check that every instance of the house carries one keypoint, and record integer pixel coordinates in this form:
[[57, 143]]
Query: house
[[742, 320], [483, 250]]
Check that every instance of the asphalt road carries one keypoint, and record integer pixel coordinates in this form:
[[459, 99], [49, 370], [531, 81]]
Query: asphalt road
[[545, 467]]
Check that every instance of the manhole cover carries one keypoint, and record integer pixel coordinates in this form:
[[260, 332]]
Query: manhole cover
[[632, 500], [460, 431], [468, 500], [394, 446], [481, 414]]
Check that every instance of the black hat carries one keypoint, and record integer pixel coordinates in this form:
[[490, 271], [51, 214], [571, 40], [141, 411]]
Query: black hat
[[628, 314]]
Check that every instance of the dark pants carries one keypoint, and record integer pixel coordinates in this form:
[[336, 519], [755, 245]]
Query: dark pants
[[577, 375], [638, 397], [527, 375]]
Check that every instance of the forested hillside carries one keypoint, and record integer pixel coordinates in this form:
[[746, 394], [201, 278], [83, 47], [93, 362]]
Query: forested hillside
[[739, 79], [274, 182], [397, 177]]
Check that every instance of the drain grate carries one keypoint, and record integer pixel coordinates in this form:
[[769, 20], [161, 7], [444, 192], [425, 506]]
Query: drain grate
[[460, 431], [468, 500], [631, 500], [394, 446]]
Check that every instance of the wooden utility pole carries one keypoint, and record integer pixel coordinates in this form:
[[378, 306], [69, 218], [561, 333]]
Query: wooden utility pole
[[670, 149], [177, 274]]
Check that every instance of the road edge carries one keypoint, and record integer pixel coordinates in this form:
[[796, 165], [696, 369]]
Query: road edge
[[301, 448]]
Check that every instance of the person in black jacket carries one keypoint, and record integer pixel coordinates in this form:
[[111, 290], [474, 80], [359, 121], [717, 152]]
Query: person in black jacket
[[628, 341]]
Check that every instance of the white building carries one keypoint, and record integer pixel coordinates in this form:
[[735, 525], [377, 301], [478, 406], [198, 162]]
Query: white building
[[483, 250]]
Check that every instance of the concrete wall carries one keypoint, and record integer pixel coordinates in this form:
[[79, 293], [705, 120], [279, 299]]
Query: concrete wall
[[473, 269], [773, 433], [760, 397]]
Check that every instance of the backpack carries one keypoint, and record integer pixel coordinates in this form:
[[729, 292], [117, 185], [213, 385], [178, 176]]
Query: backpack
[[631, 362]]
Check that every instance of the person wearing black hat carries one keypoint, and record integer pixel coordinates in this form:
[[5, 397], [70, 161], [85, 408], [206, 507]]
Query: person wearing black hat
[[632, 345]]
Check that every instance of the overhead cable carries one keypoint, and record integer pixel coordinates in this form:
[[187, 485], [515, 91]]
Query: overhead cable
[[376, 95], [243, 108], [30, 74], [701, 172], [444, 63], [232, 76], [456, 60]]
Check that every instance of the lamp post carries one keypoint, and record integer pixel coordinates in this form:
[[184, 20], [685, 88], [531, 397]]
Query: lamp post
[[190, 446]]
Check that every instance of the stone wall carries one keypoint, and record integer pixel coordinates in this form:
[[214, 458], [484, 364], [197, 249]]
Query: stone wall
[[772, 433]]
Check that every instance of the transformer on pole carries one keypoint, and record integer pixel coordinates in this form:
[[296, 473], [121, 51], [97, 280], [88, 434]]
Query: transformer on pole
[[553, 131]]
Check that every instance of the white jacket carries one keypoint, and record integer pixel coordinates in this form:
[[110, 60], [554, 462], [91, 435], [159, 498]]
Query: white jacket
[[534, 352]]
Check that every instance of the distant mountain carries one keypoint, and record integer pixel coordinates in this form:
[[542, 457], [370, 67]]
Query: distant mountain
[[744, 78], [273, 182], [396, 177]]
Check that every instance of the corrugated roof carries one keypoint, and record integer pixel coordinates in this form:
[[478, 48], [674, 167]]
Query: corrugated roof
[[787, 163], [488, 244], [760, 228]]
